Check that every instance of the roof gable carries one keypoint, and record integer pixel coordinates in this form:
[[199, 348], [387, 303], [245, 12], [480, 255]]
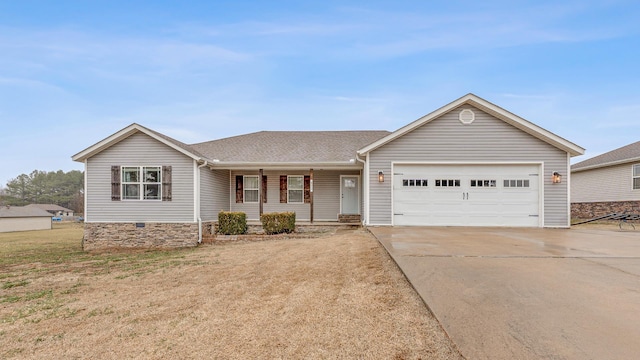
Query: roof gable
[[489, 108], [625, 154], [134, 129]]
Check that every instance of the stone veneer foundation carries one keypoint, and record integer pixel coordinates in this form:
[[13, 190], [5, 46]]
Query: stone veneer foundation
[[99, 236], [349, 219], [591, 210]]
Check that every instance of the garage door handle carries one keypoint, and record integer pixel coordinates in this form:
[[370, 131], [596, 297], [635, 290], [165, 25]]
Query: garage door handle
[[465, 196]]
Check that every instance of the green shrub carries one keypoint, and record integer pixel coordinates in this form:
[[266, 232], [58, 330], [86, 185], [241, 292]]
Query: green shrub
[[232, 223], [278, 223]]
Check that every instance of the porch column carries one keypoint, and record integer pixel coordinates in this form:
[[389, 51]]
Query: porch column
[[311, 195], [261, 196]]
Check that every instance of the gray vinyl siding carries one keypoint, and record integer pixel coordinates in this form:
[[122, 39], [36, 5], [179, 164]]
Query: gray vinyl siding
[[214, 196], [487, 139], [326, 197], [613, 183], [139, 150]]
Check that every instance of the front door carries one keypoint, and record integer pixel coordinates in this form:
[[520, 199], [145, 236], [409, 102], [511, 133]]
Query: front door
[[349, 195]]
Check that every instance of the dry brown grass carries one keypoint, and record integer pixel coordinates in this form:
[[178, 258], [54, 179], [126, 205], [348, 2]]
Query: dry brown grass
[[612, 225], [337, 296]]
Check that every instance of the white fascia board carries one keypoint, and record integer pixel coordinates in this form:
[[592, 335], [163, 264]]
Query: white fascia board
[[488, 107], [123, 134], [607, 164], [337, 165]]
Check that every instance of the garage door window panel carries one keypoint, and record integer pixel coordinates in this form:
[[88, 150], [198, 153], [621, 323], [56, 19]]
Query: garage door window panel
[[516, 183], [483, 183], [448, 183], [415, 182]]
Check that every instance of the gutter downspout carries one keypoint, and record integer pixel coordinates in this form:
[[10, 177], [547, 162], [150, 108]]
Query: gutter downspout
[[365, 186], [199, 218]]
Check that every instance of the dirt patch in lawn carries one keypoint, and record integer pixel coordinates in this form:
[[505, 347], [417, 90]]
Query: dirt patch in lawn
[[339, 296]]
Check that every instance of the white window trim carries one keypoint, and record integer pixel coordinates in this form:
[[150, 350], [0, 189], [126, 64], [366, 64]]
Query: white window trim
[[244, 189], [634, 176], [289, 189], [140, 183]]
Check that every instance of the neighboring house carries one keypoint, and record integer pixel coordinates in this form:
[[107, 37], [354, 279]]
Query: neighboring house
[[22, 218], [54, 209], [607, 183], [469, 163]]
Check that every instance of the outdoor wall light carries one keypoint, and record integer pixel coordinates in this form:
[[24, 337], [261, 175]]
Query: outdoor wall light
[[380, 176], [556, 178]]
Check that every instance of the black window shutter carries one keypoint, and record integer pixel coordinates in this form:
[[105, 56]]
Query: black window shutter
[[239, 187], [264, 189], [115, 182], [283, 189], [166, 183]]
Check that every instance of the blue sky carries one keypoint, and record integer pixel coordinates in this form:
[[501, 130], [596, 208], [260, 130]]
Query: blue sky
[[74, 72]]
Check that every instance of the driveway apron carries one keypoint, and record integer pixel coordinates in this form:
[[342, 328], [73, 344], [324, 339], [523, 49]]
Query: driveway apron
[[508, 293]]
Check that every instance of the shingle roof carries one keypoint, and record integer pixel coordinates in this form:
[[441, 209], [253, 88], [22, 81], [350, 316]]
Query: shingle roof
[[22, 211], [621, 155], [49, 207], [289, 146]]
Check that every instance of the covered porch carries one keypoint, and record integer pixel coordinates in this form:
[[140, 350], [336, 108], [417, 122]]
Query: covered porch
[[317, 196]]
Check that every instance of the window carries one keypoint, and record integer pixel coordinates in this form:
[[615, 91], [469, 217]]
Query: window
[[483, 183], [636, 176], [448, 183], [251, 192], [295, 189], [415, 182], [516, 183], [141, 183]]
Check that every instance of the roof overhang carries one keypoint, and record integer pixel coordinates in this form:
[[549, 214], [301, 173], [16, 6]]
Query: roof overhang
[[332, 165], [487, 107], [603, 165], [123, 134]]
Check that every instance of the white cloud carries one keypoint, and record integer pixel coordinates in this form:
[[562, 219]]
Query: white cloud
[[67, 47]]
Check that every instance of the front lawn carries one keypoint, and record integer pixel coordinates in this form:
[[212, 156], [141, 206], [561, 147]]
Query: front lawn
[[333, 296]]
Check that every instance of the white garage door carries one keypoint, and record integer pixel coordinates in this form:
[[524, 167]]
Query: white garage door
[[466, 195]]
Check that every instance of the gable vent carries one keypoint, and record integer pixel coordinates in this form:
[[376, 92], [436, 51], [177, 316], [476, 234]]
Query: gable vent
[[466, 116]]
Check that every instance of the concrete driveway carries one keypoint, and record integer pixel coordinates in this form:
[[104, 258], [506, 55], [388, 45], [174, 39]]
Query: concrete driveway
[[506, 293]]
